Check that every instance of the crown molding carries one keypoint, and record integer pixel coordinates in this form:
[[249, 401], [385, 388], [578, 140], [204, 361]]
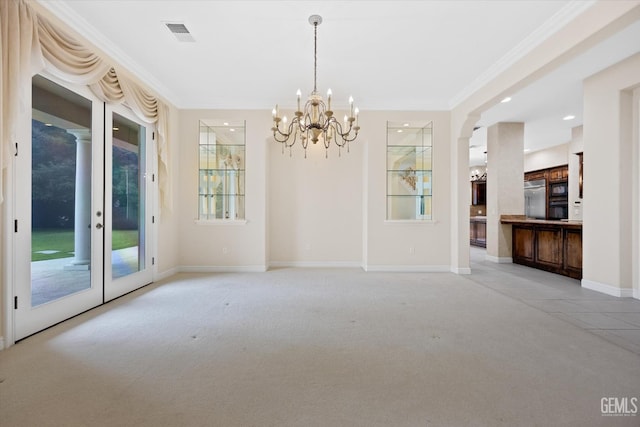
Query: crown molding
[[542, 33], [66, 14]]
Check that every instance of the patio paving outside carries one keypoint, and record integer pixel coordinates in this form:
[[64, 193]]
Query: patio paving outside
[[50, 281]]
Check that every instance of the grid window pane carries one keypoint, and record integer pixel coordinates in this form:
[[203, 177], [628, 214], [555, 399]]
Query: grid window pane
[[221, 177], [409, 171]]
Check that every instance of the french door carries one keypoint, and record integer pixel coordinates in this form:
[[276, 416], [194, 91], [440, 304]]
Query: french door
[[83, 203], [129, 176]]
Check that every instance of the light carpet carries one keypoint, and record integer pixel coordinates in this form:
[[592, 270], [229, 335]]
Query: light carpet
[[315, 347]]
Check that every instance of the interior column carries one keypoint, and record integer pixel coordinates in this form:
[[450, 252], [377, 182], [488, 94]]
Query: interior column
[[505, 181]]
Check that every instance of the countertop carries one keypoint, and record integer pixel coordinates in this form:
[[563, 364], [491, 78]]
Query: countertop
[[521, 219]]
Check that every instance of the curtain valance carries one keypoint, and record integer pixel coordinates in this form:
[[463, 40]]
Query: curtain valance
[[31, 43]]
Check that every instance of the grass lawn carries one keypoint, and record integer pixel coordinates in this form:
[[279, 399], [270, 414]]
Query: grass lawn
[[62, 241]]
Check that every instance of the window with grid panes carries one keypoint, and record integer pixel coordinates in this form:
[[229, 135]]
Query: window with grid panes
[[409, 170], [221, 181]]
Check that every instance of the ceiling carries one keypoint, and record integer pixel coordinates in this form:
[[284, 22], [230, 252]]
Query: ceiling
[[544, 104], [389, 55]]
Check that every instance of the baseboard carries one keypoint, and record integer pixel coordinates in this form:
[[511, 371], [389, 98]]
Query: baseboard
[[409, 268], [315, 264], [608, 289], [636, 293], [166, 274], [1, 343], [223, 269], [499, 260], [463, 270]]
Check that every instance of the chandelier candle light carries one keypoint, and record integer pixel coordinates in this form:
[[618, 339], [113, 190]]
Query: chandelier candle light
[[317, 119]]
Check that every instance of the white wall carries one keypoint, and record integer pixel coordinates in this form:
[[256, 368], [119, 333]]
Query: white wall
[[609, 141], [635, 258], [316, 211], [3, 270], [315, 204], [218, 245], [413, 245], [547, 158]]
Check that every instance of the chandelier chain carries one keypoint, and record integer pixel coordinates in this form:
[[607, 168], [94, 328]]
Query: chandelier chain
[[315, 56]]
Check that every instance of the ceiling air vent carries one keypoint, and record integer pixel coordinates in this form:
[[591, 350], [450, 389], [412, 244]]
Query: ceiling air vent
[[180, 31]]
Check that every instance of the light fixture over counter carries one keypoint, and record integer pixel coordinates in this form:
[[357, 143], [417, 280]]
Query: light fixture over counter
[[316, 121]]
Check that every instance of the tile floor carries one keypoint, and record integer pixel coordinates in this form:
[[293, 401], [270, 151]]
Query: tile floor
[[615, 319]]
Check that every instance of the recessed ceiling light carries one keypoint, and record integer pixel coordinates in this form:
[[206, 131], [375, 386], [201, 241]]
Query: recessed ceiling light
[[226, 123], [505, 100], [405, 125], [569, 117], [232, 130], [399, 130]]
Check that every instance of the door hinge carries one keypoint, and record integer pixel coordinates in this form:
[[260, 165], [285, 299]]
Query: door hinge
[[16, 149], [153, 219], [153, 177], [153, 136], [153, 261], [15, 303], [15, 225]]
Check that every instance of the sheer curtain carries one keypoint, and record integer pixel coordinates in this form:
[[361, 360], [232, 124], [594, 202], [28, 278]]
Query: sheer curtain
[[30, 44], [18, 43]]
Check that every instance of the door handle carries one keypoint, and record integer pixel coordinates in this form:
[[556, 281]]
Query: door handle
[[98, 226]]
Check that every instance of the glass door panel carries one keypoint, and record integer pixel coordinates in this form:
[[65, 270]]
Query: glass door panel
[[60, 210], [127, 235], [128, 200], [58, 184]]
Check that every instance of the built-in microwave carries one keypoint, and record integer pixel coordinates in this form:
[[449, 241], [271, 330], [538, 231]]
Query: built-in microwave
[[558, 189]]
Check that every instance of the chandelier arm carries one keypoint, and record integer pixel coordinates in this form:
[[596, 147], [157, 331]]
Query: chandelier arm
[[285, 135], [345, 136], [276, 131], [337, 128], [295, 137]]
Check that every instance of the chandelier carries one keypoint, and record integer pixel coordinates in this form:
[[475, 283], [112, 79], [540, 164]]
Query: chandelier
[[316, 122]]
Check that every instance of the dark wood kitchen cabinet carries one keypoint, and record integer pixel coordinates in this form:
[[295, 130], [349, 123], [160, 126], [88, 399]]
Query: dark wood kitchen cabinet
[[558, 173], [554, 246], [478, 193]]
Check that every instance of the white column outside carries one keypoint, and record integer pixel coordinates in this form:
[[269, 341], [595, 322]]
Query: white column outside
[[82, 222]]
